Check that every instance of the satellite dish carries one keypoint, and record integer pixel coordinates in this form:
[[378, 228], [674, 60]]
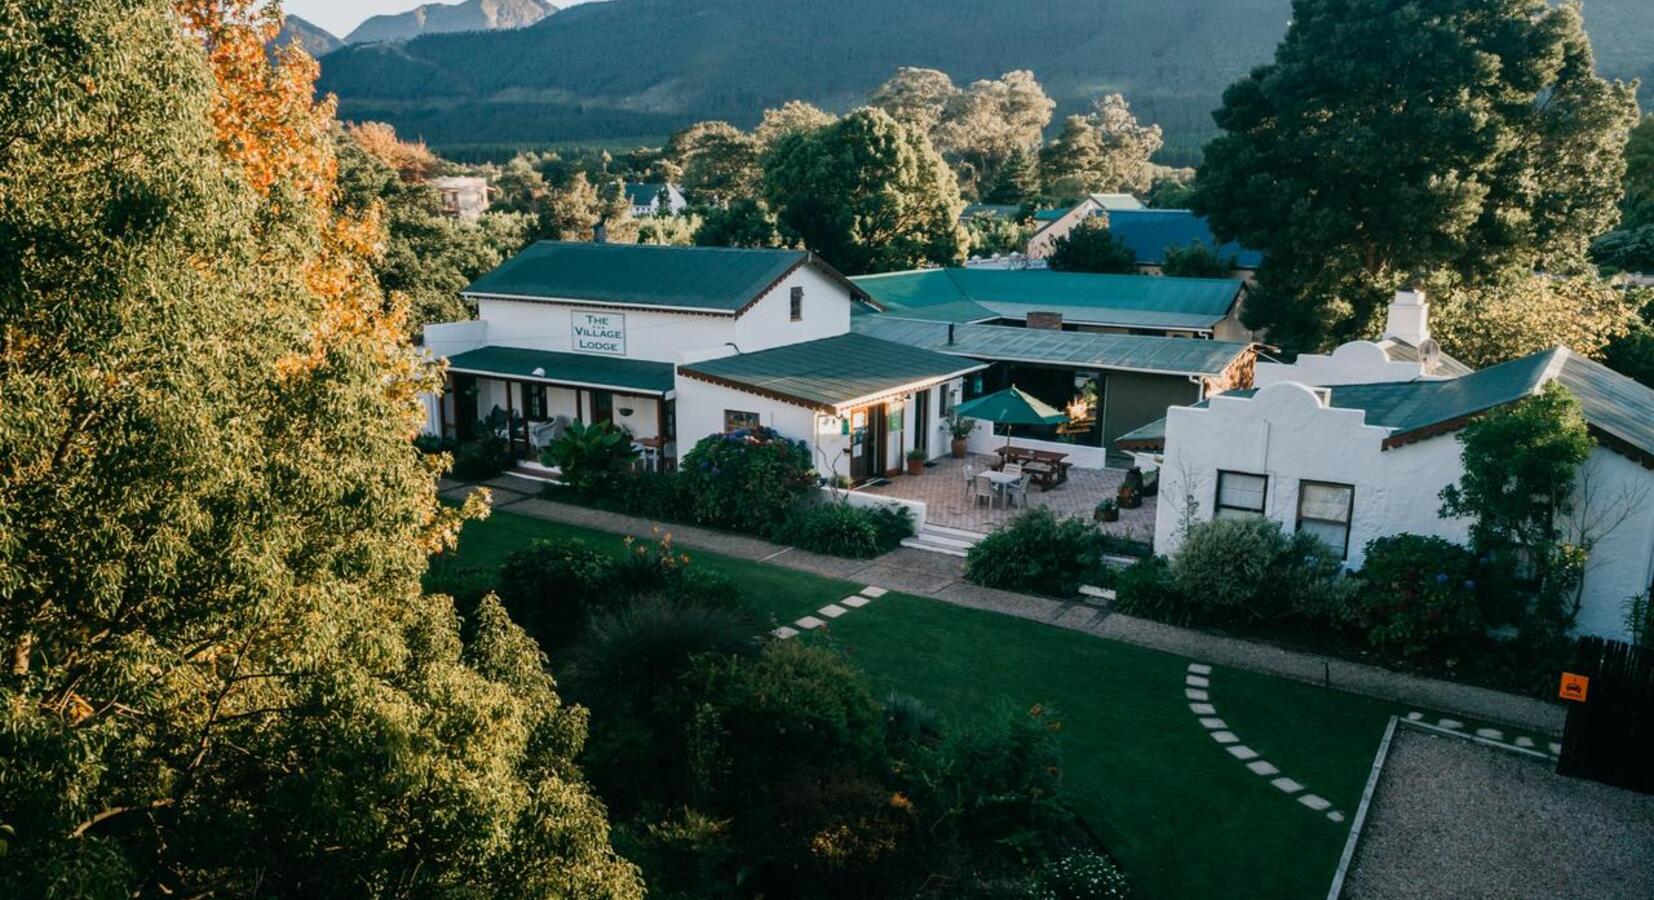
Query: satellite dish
[[1430, 353]]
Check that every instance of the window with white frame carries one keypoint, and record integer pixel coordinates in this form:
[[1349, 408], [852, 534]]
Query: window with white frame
[[1324, 510], [797, 308], [1240, 495]]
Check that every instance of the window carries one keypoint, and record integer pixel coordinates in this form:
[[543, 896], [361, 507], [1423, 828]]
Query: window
[[735, 419], [1324, 510], [798, 304], [534, 402], [669, 420], [1240, 495]]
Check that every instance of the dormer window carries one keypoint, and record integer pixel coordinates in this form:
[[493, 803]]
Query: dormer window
[[797, 307]]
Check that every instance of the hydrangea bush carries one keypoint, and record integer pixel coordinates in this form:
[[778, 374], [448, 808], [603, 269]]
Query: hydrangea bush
[[748, 479]]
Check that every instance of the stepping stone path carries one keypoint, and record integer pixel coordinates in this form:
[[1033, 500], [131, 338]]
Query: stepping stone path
[[830, 611], [1197, 686], [1489, 735]]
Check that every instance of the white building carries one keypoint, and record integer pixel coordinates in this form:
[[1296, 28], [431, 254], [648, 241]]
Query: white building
[[1358, 445], [646, 199], [463, 196]]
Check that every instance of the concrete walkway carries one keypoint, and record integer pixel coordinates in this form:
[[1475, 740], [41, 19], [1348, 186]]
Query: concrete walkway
[[942, 578]]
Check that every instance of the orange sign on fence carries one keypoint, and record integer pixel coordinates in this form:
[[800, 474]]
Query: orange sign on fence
[[1574, 687]]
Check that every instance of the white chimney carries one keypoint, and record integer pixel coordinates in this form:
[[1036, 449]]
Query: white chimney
[[1409, 318]]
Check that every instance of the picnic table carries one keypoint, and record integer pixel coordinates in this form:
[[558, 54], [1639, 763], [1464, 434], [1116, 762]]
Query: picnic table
[[1048, 467]]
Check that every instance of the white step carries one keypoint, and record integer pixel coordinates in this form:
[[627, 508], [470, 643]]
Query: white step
[[918, 542], [958, 534], [942, 540]]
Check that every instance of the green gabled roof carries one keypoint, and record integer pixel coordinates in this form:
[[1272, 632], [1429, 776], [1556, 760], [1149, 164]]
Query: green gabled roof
[[1129, 352], [1618, 408], [990, 210], [829, 372], [1049, 215], [1117, 201], [1149, 437], [642, 194], [1124, 300], [711, 279], [578, 369]]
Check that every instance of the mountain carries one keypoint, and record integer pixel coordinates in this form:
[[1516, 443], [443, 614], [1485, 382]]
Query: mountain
[[638, 69], [315, 39], [441, 18]]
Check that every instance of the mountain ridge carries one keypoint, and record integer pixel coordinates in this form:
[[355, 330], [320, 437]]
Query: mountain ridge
[[447, 18]]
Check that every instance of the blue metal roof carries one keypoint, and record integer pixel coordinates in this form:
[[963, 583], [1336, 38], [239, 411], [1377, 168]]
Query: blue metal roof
[[1148, 232]]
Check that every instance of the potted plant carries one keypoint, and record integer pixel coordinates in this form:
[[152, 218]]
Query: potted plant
[[915, 461], [1129, 497], [960, 427], [1107, 511]]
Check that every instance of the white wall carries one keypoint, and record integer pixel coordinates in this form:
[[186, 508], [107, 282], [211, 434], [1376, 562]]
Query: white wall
[[984, 441], [768, 323], [1357, 362], [1614, 501], [701, 412]]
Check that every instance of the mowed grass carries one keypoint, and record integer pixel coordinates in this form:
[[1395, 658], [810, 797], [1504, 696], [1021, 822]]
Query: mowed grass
[[1186, 819]]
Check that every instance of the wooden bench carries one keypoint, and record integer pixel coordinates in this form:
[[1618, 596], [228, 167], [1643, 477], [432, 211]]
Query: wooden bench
[[1048, 467]]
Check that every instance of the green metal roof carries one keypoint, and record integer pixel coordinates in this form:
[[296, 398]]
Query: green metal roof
[[714, 279], [1081, 349], [579, 369], [642, 194], [829, 372], [1049, 215], [991, 210], [1137, 301], [1117, 201], [1149, 437]]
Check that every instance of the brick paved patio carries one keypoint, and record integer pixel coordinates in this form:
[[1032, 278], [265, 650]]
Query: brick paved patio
[[942, 489]]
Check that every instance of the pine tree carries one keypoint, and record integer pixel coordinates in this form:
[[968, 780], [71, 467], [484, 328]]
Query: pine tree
[[223, 677], [1017, 181]]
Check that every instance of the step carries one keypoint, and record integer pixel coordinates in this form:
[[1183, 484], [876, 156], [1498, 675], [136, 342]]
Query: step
[[919, 543], [958, 534], [931, 537], [534, 472]]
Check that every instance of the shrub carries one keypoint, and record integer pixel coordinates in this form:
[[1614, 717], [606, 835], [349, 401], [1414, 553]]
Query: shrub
[[591, 457], [1419, 592], [653, 495], [550, 587], [839, 529], [628, 657], [1237, 570], [748, 479], [482, 459], [1083, 876], [654, 567], [1036, 551], [1146, 589], [997, 787]]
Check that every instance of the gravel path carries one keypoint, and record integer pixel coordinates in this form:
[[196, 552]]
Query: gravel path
[[941, 577], [1455, 819]]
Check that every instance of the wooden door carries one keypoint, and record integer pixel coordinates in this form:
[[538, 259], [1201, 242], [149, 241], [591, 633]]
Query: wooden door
[[603, 407], [921, 422], [465, 406]]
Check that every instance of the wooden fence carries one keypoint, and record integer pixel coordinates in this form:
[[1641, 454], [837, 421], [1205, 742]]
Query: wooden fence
[[1610, 733]]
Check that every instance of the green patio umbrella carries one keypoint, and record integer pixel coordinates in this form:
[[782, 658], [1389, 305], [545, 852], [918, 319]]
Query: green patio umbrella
[[1011, 407]]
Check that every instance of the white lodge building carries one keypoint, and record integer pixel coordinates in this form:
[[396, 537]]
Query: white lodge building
[[1358, 444], [685, 341]]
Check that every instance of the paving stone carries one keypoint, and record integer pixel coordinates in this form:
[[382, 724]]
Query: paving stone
[[1414, 716], [832, 610], [1450, 723], [1492, 734], [1197, 681], [1202, 709], [1315, 802], [856, 602], [1242, 752], [785, 632], [1525, 742], [1556, 749], [1212, 723], [1336, 816], [874, 592], [1287, 785], [1225, 737], [808, 622], [1200, 669], [1263, 767], [1193, 694]]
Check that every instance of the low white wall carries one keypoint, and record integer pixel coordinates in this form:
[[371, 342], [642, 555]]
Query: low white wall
[[858, 498], [983, 440], [1357, 362]]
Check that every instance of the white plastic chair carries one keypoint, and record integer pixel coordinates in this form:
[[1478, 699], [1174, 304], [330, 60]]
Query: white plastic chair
[[1018, 490]]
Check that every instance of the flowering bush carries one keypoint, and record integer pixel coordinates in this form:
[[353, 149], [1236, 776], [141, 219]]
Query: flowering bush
[[748, 479], [1420, 591], [1083, 876]]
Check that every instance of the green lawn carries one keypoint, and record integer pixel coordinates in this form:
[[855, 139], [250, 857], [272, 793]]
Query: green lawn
[[1185, 818]]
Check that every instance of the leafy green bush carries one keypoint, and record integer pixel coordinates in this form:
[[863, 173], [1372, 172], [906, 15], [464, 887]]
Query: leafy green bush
[[653, 495], [628, 657], [1419, 592], [551, 587], [1146, 589], [839, 529], [649, 567], [1083, 876], [481, 459], [1036, 551], [591, 457], [1248, 570], [997, 787], [748, 479]]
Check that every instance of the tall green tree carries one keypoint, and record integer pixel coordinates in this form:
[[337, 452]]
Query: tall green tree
[[221, 675], [1017, 181], [720, 163], [1104, 150], [1091, 247], [868, 193], [1639, 176], [1394, 137]]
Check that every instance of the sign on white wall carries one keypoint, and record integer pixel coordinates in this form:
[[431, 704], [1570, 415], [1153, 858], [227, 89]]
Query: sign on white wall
[[599, 333]]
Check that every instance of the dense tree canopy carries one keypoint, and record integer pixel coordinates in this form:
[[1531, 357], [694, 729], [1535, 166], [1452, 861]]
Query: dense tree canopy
[[1393, 138], [976, 128], [1091, 247], [868, 193], [223, 678], [719, 162], [1516, 315]]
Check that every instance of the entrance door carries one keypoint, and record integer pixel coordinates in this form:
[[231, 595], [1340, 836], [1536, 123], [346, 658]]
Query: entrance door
[[603, 407], [465, 406], [867, 443], [921, 422]]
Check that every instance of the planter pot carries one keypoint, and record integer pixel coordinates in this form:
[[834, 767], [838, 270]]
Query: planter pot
[[1129, 499], [958, 448], [1108, 515], [915, 467]]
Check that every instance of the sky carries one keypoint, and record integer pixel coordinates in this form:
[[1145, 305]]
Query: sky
[[342, 16]]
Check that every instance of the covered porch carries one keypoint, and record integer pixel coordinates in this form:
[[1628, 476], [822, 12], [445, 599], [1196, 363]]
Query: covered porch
[[530, 397]]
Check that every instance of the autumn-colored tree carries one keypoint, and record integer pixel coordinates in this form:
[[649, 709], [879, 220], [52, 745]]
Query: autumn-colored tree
[[223, 678], [792, 116], [1518, 315], [411, 159]]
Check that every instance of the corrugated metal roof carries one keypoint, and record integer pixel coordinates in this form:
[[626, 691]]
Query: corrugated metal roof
[[715, 279], [1130, 300], [1117, 201], [642, 194], [1612, 403], [1148, 232], [830, 372], [1128, 352], [567, 368]]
